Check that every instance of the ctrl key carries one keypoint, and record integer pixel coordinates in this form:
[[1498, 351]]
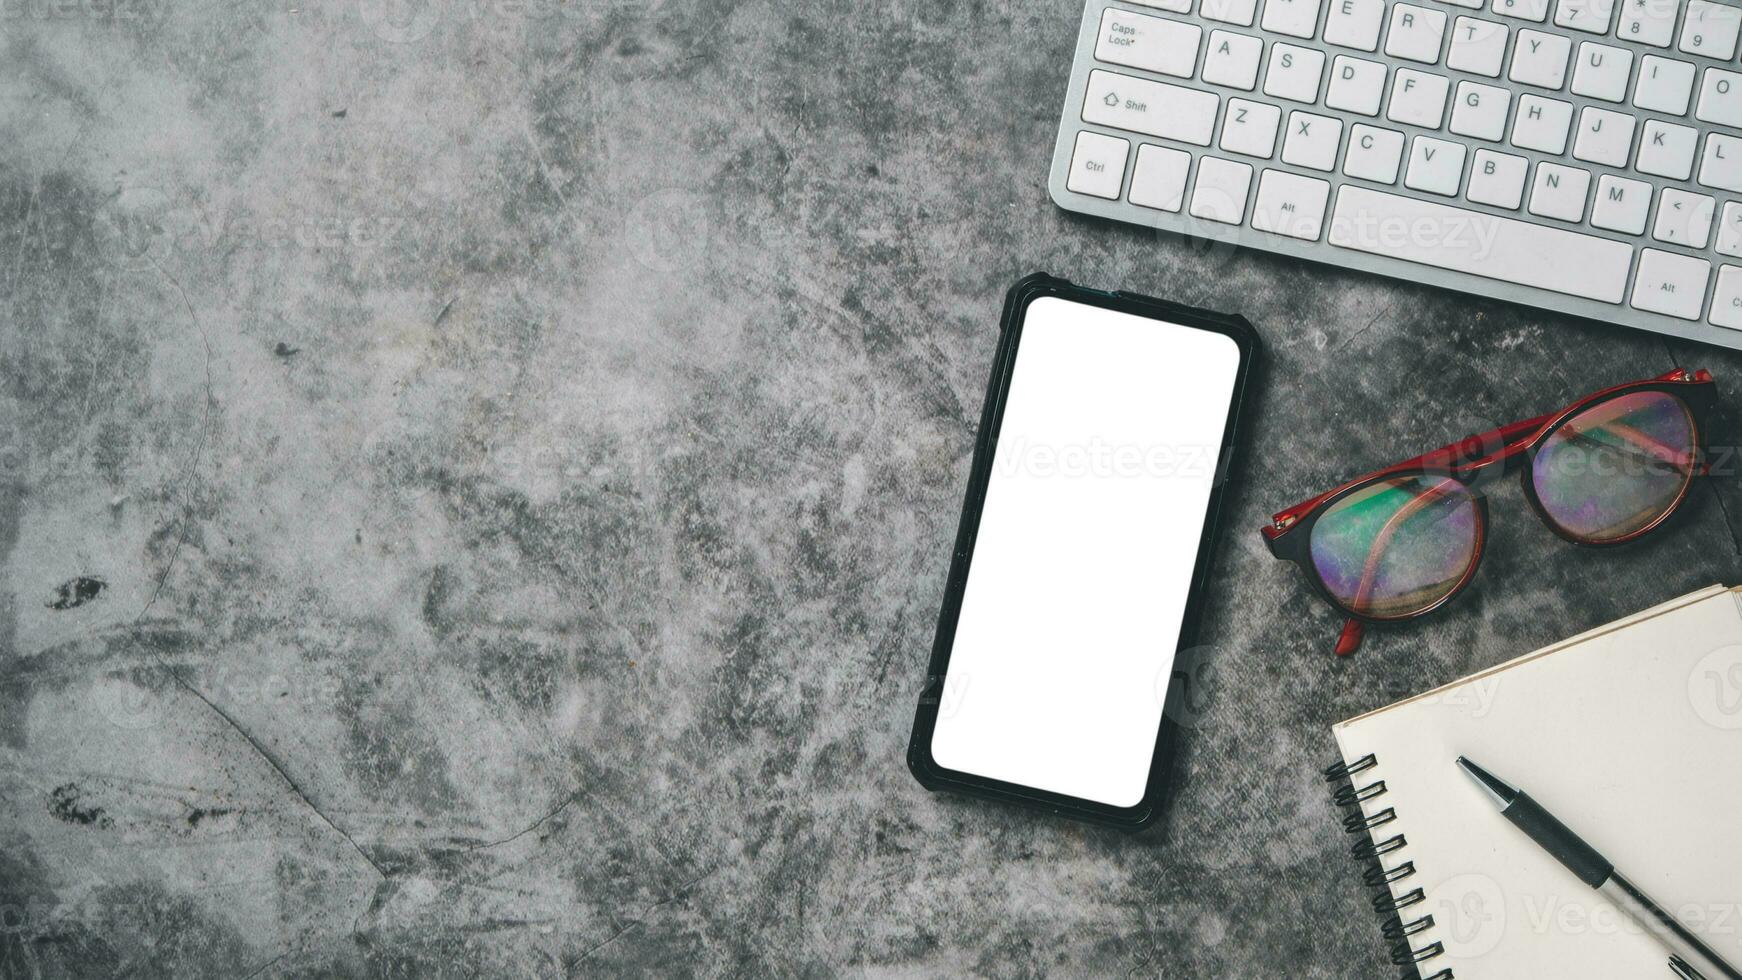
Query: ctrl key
[[1098, 165], [1727, 300]]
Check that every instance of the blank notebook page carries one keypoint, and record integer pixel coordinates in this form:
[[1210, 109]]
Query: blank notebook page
[[1630, 734]]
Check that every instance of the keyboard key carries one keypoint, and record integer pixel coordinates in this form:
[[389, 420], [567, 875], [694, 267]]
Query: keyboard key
[[1536, 10], [1296, 18], [1435, 166], [1416, 33], [1559, 192], [1647, 22], [1664, 85], [1312, 141], [1622, 204], [1232, 60], [1294, 73], [1355, 23], [1373, 154], [1289, 204], [1098, 165], [1540, 59], [1480, 111], [1155, 44], [1710, 29], [1356, 85], [1220, 193], [1159, 178], [1666, 150], [1727, 298], [1177, 6], [1591, 16], [1229, 11], [1498, 179], [1670, 283], [1481, 244], [1730, 231], [1472, 4], [1417, 98], [1602, 72], [1478, 46], [1721, 165], [1250, 128], [1154, 108], [1605, 137], [1720, 98], [1542, 124], [1684, 219]]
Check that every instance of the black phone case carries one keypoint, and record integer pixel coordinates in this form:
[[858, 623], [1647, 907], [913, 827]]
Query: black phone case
[[919, 758]]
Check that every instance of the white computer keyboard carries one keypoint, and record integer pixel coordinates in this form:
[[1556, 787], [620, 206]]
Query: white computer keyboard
[[1577, 155]]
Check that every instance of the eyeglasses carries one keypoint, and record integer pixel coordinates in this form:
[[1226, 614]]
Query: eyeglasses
[[1401, 542]]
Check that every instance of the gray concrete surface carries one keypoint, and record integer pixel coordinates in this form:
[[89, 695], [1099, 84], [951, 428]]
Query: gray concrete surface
[[514, 450]]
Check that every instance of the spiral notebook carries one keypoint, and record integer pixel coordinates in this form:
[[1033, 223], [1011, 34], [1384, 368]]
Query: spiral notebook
[[1631, 733]]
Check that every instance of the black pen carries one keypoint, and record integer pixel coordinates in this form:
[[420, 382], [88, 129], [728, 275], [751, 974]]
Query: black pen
[[1689, 958]]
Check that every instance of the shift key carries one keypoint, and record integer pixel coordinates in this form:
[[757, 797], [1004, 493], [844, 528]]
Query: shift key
[[1153, 108]]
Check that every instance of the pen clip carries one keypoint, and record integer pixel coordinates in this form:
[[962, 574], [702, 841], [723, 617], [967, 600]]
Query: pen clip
[[1681, 968]]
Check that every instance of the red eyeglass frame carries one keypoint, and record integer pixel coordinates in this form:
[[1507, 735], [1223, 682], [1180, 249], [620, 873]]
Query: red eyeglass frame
[[1473, 462]]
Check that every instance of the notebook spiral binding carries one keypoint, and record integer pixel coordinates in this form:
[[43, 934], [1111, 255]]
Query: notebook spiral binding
[[1372, 851]]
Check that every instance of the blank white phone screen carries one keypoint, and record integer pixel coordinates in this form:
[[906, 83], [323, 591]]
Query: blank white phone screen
[[1076, 591]]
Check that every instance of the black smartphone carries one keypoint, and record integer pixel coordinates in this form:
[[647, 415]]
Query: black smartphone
[[1084, 544]]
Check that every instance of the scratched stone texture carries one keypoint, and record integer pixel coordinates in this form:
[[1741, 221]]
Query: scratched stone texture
[[477, 478]]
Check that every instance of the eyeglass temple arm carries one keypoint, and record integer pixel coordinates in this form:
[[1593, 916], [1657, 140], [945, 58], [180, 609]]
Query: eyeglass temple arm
[[1350, 639], [1474, 447], [1656, 448], [1507, 434], [1445, 457], [1478, 446], [1471, 448]]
